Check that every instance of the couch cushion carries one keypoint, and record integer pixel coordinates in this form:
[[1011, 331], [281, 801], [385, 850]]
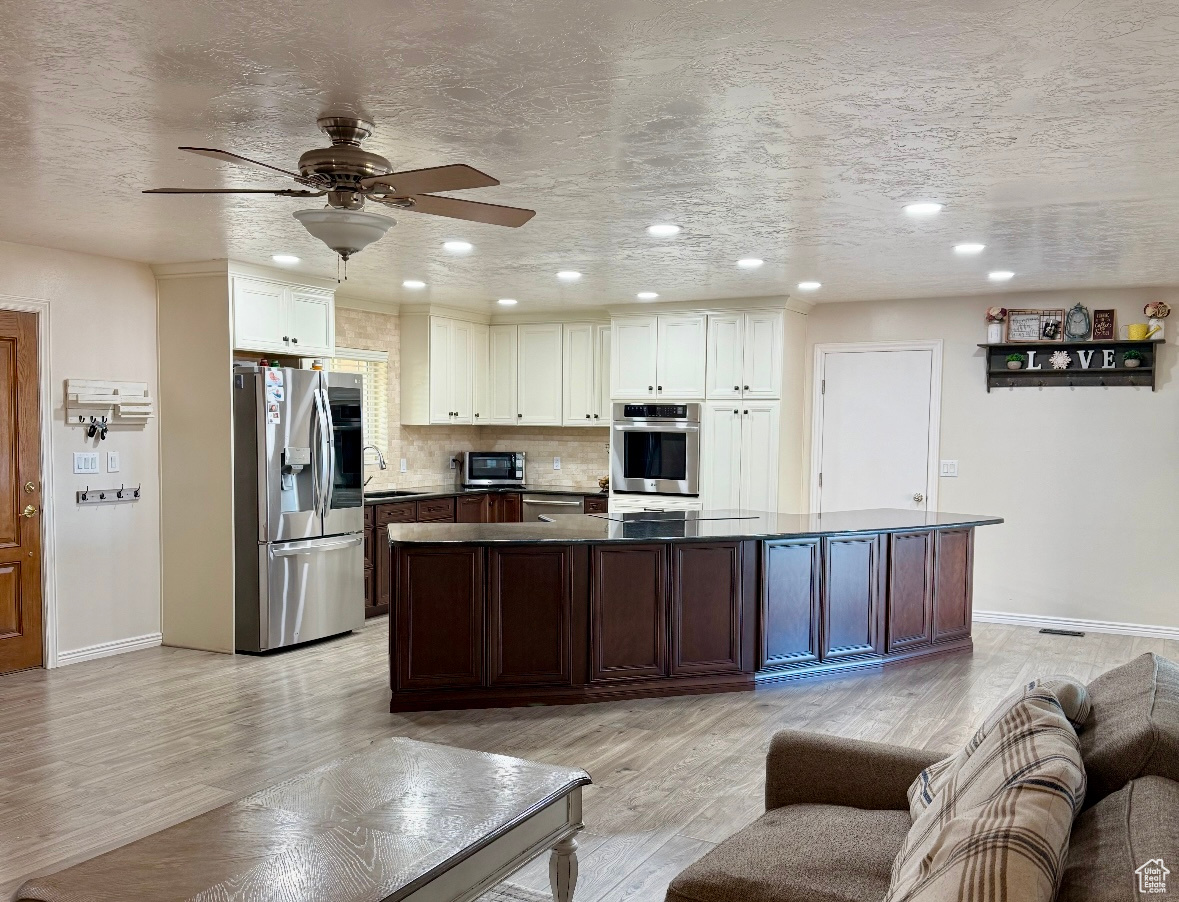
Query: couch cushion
[[800, 853], [999, 826], [1135, 826], [1134, 728]]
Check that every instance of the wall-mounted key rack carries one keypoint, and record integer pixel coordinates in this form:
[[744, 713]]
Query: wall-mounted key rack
[[109, 496]]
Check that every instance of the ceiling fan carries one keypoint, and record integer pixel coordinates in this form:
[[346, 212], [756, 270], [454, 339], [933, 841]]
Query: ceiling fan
[[348, 176]]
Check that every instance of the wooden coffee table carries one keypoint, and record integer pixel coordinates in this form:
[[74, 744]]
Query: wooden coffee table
[[401, 820]]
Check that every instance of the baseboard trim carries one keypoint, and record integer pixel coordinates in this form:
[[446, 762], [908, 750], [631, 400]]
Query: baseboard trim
[[106, 649], [1086, 626]]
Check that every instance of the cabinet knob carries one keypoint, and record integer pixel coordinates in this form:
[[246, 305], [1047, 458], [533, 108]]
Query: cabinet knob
[[476, 416], [747, 388], [661, 388], [595, 416], [746, 411], [519, 416], [587, 416], [286, 338], [294, 341], [736, 388], [650, 388]]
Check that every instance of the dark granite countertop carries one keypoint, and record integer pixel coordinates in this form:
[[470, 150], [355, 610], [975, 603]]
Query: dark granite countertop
[[417, 493], [667, 526]]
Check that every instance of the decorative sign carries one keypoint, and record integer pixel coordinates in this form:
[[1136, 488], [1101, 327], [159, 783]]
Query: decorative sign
[[1035, 325], [1104, 325]]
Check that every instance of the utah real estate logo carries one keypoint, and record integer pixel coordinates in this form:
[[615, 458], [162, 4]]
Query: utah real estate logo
[[1152, 877]]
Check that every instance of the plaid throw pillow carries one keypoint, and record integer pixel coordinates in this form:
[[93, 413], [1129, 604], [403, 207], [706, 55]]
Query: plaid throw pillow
[[1074, 704], [998, 825]]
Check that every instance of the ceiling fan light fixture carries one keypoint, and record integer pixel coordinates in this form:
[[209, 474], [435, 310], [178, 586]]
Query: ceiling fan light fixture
[[345, 231]]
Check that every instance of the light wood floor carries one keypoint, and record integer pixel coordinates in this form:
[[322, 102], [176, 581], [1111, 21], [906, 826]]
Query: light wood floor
[[98, 754]]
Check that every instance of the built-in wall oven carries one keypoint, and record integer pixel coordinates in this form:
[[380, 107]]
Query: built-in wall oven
[[655, 449]]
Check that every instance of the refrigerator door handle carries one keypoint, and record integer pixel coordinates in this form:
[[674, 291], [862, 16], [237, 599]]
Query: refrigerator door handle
[[329, 436], [320, 446], [314, 547]]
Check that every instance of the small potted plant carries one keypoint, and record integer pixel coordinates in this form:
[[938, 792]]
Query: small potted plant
[[1132, 358], [1016, 361], [995, 317]]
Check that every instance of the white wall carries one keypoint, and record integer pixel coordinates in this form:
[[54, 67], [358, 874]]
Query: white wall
[[102, 326], [1087, 478]]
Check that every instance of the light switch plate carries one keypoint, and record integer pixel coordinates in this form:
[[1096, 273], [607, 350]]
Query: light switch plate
[[404, 467], [949, 468], [85, 461], [556, 463], [112, 461]]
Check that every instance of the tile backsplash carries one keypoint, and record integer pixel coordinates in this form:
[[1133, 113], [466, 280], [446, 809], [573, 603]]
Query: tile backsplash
[[429, 449]]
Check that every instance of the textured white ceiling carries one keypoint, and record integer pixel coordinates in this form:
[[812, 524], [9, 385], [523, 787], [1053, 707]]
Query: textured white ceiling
[[791, 130]]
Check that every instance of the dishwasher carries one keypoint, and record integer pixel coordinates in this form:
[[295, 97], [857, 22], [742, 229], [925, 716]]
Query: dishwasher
[[544, 507]]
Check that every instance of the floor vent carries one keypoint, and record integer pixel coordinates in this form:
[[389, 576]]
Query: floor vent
[[1062, 633]]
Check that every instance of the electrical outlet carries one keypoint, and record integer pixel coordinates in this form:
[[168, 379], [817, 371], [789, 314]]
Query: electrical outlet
[[112, 461], [454, 463], [85, 461], [556, 463], [404, 467], [949, 468]]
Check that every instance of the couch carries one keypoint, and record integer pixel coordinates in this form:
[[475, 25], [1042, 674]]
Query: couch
[[838, 811]]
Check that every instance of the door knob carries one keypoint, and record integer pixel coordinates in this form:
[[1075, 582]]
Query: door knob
[[29, 511], [918, 497]]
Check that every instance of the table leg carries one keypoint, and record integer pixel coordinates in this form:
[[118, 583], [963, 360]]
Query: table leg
[[563, 869]]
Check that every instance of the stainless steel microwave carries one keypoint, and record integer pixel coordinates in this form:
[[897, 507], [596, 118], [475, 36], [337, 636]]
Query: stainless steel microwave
[[491, 468], [655, 449]]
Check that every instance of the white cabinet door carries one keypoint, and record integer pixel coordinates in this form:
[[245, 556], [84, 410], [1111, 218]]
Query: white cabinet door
[[579, 374], [763, 355], [481, 377], [462, 372], [720, 457], [635, 357], [602, 409], [682, 346], [538, 374], [259, 316], [311, 323], [441, 369], [726, 335], [501, 387], [759, 456]]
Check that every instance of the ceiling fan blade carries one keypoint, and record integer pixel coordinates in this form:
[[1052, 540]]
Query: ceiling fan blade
[[456, 208], [427, 181], [226, 157], [281, 192]]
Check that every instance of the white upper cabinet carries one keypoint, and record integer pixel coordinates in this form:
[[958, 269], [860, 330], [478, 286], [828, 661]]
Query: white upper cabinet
[[283, 318], [763, 355], [501, 383], [745, 355], [602, 410], [538, 374], [726, 336], [462, 368], [682, 341], [441, 370], [634, 357], [480, 336], [579, 375]]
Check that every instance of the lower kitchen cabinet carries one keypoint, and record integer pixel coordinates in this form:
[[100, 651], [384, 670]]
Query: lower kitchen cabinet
[[791, 581], [954, 566], [471, 509], [910, 590], [505, 507], [530, 609], [439, 617], [628, 612], [706, 602], [596, 504], [851, 602]]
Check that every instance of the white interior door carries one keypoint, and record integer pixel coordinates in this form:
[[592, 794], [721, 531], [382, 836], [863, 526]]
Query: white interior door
[[720, 456], [876, 428], [759, 455]]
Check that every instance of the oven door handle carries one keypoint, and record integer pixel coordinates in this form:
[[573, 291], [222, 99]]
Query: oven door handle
[[666, 427]]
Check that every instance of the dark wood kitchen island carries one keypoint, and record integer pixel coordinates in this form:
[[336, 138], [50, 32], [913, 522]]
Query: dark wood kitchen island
[[612, 606]]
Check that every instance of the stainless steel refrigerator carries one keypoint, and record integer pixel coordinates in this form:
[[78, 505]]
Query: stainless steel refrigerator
[[298, 506]]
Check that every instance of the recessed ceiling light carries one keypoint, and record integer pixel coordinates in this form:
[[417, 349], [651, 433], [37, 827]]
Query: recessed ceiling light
[[924, 208], [809, 286], [969, 248], [1000, 275], [413, 283], [457, 247], [507, 302], [663, 230], [750, 262], [568, 275], [285, 259], [646, 295]]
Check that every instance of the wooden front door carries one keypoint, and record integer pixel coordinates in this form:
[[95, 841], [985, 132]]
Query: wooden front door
[[20, 494]]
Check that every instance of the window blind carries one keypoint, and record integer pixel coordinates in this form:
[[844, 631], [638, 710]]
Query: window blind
[[374, 367]]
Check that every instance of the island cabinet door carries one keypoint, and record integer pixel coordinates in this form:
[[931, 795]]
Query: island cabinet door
[[439, 606], [705, 608], [791, 582], [952, 589], [628, 612], [910, 590], [852, 597], [530, 607]]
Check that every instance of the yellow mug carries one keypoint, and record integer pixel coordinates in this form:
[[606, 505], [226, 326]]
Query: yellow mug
[[1140, 331]]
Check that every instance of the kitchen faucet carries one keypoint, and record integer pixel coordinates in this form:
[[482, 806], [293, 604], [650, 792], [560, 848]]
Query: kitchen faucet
[[380, 460]]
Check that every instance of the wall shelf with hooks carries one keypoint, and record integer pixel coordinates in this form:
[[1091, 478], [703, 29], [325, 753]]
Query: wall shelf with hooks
[[1091, 364], [118, 402], [121, 495]]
